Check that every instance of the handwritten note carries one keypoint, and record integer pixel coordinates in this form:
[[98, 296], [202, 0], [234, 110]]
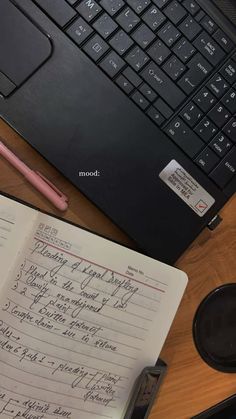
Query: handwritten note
[[79, 319], [15, 226]]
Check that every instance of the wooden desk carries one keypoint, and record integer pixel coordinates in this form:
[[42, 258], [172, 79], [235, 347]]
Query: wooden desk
[[190, 386]]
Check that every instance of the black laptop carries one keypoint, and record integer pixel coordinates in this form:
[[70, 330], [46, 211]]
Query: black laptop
[[134, 101]]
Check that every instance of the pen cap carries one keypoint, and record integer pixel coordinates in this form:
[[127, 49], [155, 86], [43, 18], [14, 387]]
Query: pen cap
[[214, 328]]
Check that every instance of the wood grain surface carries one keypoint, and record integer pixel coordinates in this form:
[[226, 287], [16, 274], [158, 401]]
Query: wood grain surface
[[190, 385]]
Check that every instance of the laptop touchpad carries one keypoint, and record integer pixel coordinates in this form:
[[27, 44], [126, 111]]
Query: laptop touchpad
[[23, 47]]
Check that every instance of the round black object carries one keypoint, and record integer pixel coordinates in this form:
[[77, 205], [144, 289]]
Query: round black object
[[214, 328]]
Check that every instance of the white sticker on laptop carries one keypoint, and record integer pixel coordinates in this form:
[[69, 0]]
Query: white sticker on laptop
[[187, 188]]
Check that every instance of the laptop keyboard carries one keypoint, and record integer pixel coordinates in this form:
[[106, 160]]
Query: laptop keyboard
[[173, 61]]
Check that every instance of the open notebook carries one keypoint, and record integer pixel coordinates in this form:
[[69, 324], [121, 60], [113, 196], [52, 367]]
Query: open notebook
[[80, 317]]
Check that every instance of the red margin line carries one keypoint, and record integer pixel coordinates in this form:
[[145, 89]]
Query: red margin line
[[100, 266]]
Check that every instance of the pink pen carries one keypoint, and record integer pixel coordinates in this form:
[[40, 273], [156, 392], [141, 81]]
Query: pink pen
[[36, 179]]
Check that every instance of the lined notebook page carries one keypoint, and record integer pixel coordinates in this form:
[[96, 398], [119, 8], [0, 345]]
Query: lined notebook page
[[80, 318]]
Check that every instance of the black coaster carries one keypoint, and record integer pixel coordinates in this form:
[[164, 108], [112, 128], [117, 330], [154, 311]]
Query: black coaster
[[214, 328]]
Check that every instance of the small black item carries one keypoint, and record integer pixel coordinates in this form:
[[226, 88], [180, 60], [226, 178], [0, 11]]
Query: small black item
[[214, 222], [214, 328], [145, 391], [223, 410]]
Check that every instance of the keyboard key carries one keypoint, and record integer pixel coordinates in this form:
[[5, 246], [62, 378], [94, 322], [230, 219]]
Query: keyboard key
[[191, 114], [124, 84], [224, 172], [88, 9], [205, 100], [219, 115], [218, 86], [209, 48], [223, 40], [148, 92], [163, 85], [165, 110], [121, 42], [60, 11], [160, 3], [184, 137], [207, 160], [169, 34], [96, 47], [137, 58], [206, 129], [140, 100], [112, 6], [72, 2], [190, 28], [153, 18], [199, 69], [229, 100], [230, 129], [112, 64], [199, 16], [127, 19], [184, 50], [155, 116], [228, 71], [209, 25], [159, 52], [138, 5], [221, 145], [191, 6], [174, 67], [79, 31], [175, 12], [132, 76], [105, 25], [143, 36]]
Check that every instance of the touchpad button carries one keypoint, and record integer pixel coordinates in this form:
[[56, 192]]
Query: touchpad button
[[23, 47]]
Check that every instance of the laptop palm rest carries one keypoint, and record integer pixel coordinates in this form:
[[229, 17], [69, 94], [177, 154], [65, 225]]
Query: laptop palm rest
[[23, 47]]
